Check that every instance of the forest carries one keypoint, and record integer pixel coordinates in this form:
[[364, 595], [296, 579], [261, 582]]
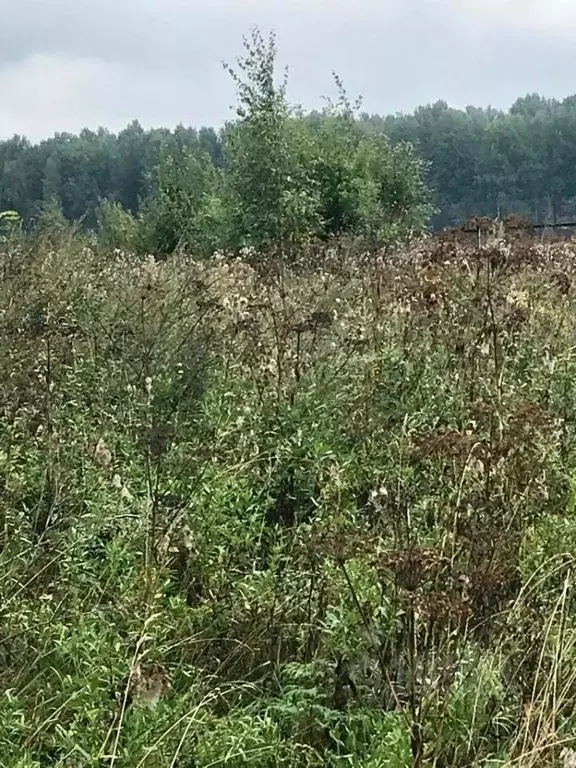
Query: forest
[[287, 480], [479, 161]]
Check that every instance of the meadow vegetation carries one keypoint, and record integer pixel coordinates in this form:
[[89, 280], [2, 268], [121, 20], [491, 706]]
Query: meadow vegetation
[[308, 500], [325, 511]]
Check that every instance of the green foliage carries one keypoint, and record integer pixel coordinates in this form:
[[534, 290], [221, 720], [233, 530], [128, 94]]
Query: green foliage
[[314, 516], [490, 162], [270, 189], [333, 509], [51, 217], [117, 228], [9, 216], [368, 188], [477, 161], [393, 198], [9, 220], [272, 180], [289, 179], [50, 226], [183, 211]]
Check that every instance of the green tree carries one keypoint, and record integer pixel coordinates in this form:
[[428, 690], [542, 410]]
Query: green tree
[[184, 210], [394, 200], [337, 135], [117, 227], [368, 187], [52, 182], [15, 176], [271, 195]]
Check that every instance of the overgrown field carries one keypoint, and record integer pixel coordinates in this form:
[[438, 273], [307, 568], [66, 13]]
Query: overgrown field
[[321, 514]]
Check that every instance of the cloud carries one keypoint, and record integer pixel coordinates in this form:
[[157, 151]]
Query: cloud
[[46, 93], [549, 18], [70, 63]]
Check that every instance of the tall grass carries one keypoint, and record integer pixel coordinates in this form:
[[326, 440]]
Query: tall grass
[[321, 515]]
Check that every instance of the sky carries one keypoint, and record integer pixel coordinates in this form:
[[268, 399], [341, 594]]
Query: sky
[[69, 64]]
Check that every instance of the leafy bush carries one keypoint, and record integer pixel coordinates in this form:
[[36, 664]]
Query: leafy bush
[[285, 180]]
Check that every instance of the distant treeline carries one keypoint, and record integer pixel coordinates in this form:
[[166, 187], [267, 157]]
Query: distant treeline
[[493, 163], [481, 161], [78, 172]]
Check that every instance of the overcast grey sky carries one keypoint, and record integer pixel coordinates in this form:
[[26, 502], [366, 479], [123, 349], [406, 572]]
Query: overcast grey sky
[[66, 64]]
